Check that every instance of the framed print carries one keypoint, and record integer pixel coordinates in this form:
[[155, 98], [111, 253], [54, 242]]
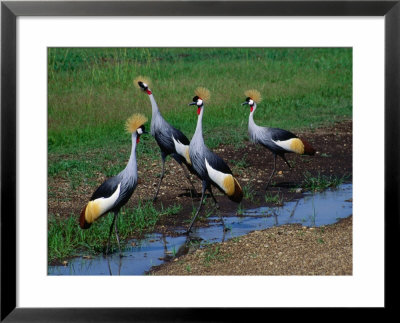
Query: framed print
[[362, 36]]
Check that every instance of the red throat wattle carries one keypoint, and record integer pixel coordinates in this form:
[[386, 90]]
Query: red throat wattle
[[198, 110], [251, 109], [137, 139], [148, 91]]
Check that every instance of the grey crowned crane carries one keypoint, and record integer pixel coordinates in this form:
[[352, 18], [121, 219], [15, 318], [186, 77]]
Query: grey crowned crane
[[117, 190], [170, 140], [278, 141], [211, 168]]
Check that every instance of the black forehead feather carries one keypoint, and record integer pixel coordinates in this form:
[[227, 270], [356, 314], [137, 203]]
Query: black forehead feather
[[195, 98]]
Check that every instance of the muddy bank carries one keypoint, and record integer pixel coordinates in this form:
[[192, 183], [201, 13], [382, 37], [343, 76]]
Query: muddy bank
[[284, 250]]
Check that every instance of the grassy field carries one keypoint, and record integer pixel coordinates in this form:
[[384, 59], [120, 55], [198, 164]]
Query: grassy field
[[91, 93]]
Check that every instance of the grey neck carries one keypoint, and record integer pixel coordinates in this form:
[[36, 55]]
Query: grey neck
[[131, 168], [154, 107], [251, 119], [198, 134]]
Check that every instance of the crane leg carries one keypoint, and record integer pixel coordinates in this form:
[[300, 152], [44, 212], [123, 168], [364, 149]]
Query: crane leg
[[217, 206], [199, 208], [213, 197], [287, 163], [161, 177], [273, 172], [116, 233], [188, 178], [109, 235]]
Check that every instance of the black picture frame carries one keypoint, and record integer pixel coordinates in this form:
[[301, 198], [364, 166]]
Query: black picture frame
[[10, 10]]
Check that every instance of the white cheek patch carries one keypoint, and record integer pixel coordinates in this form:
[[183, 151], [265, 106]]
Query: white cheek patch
[[217, 176], [251, 102], [139, 131], [182, 149], [199, 102]]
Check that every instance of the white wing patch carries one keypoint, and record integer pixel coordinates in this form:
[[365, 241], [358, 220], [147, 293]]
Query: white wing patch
[[182, 149], [101, 205], [294, 145], [217, 176], [284, 144]]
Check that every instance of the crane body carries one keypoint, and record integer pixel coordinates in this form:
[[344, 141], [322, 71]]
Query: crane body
[[211, 168], [278, 141], [170, 140], [115, 192]]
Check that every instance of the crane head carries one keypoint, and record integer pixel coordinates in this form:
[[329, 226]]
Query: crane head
[[202, 95], [143, 84], [135, 124], [197, 101], [249, 102], [253, 97], [140, 131]]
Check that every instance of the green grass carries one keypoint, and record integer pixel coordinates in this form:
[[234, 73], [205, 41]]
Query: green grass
[[321, 182], [90, 90], [212, 254], [91, 93], [274, 198], [249, 193], [66, 238]]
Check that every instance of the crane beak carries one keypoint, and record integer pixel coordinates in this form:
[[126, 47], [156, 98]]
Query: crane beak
[[193, 103], [244, 103]]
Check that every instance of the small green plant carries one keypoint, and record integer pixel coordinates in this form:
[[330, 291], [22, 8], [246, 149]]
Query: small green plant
[[321, 182], [274, 198], [188, 268], [241, 163], [240, 210], [248, 192], [325, 155], [173, 251], [236, 239], [211, 254], [171, 210]]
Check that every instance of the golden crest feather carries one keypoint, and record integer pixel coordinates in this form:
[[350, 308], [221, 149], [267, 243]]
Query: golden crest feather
[[203, 93], [134, 122], [254, 95], [142, 79]]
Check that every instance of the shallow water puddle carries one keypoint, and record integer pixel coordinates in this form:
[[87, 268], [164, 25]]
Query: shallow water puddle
[[312, 210]]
